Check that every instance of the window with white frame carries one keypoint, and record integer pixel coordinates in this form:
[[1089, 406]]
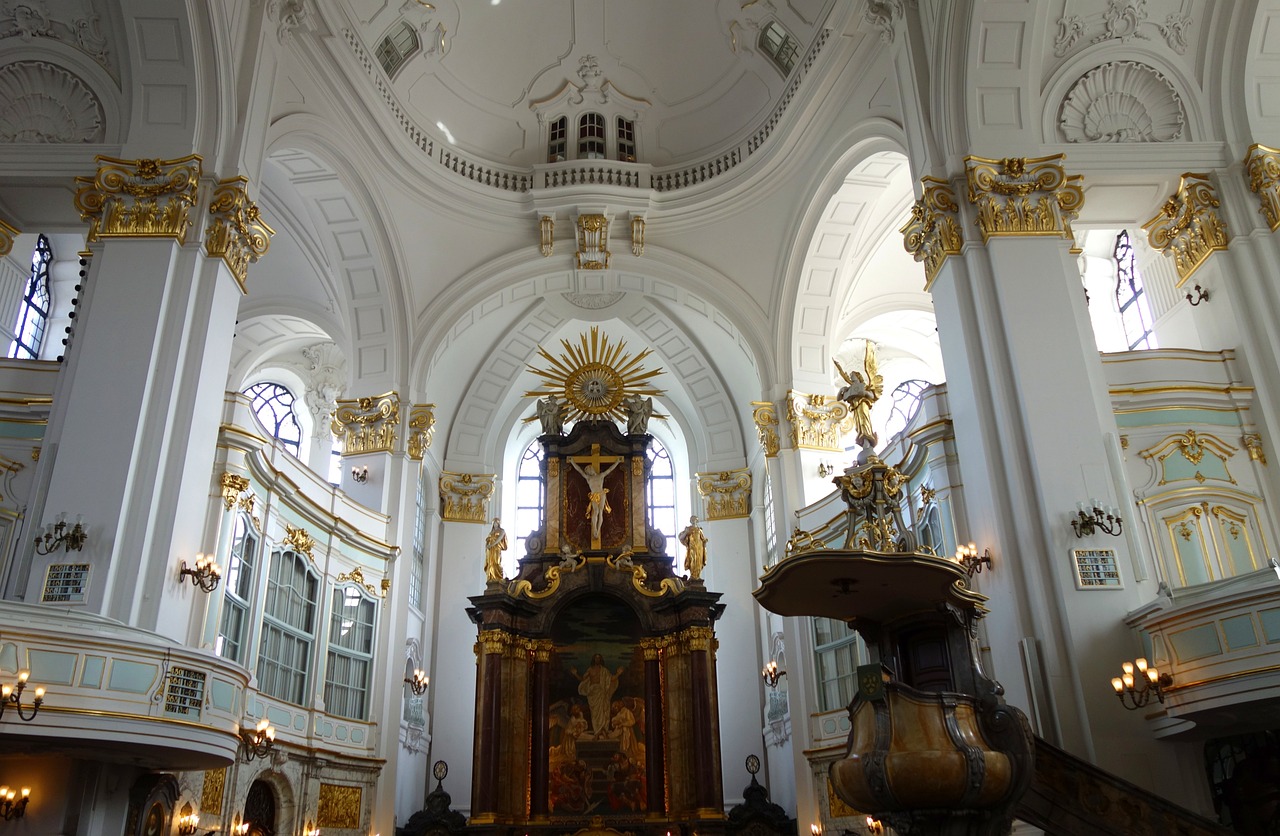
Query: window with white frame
[[395, 49], [288, 627], [661, 491], [558, 140], [350, 660], [781, 47], [770, 524], [591, 137], [33, 315], [626, 140], [274, 405], [529, 495], [233, 633], [1135, 312], [419, 544], [836, 659]]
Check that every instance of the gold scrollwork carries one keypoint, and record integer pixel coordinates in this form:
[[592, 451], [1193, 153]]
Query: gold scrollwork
[[651, 648], [593, 242], [542, 649], [7, 235], [698, 638], [640, 578], [338, 806], [818, 422], [422, 426], [367, 425], [493, 641], [932, 233], [551, 579], [727, 493], [215, 781], [1262, 166], [236, 233], [1253, 443], [1188, 225], [139, 198], [765, 415], [1024, 196], [802, 541], [300, 541], [356, 576], [233, 485], [465, 496]]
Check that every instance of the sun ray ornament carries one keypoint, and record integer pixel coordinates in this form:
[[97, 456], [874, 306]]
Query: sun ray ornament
[[594, 377]]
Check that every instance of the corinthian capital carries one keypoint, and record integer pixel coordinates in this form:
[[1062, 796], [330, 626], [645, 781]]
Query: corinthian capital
[[1188, 225], [1024, 196], [932, 233], [1262, 166]]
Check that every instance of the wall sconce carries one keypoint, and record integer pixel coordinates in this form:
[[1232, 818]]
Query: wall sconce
[[418, 682], [1136, 690], [12, 695], [259, 741], [1106, 520], [205, 575], [310, 829], [187, 824], [814, 830], [240, 828], [360, 473], [771, 674], [11, 809], [874, 826], [968, 558], [825, 468], [57, 535], [1200, 295]]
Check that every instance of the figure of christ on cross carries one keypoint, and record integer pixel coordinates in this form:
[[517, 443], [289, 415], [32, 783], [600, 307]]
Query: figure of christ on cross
[[597, 493]]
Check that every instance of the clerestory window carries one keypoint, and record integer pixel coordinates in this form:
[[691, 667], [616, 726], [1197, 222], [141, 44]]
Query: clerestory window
[[1135, 312], [33, 315], [274, 406], [781, 47]]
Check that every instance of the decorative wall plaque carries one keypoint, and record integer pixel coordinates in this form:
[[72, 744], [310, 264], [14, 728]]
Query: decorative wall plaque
[[1096, 569]]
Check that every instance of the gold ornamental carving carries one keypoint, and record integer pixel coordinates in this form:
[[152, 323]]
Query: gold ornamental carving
[[139, 198], [933, 232], [356, 576], [640, 577], [1262, 166], [698, 638], [233, 485], [367, 425], [1024, 196], [652, 647], [1188, 225], [422, 426], [236, 232], [765, 416], [300, 541], [818, 422], [1253, 443], [464, 497], [726, 495], [597, 379], [338, 806], [7, 235], [215, 780], [494, 641], [593, 242]]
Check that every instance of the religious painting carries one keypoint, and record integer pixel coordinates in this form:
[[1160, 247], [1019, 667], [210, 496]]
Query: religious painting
[[596, 757], [595, 515]]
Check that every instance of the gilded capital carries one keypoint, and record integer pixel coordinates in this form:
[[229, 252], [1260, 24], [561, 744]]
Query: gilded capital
[[726, 495], [818, 422], [139, 198], [542, 649], [1188, 225], [233, 485], [494, 641], [236, 232], [765, 415], [367, 425], [7, 234], [652, 647], [464, 497], [1024, 196], [422, 425], [933, 232], [698, 638], [1262, 167]]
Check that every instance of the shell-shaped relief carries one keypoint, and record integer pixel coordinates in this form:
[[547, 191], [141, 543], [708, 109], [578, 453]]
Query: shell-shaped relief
[[1123, 101], [41, 102]]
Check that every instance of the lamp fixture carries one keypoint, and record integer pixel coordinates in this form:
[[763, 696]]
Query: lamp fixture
[[12, 804], [825, 468], [418, 682], [814, 830], [1096, 518], [874, 826], [360, 473], [204, 575], [968, 558], [1200, 295], [771, 674], [310, 829], [187, 824], [258, 741], [1135, 689], [56, 535], [12, 695], [240, 828]]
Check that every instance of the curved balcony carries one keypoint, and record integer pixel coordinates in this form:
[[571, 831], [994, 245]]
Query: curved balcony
[[117, 693]]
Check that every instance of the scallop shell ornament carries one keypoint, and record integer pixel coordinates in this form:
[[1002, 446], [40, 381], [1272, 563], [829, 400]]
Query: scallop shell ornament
[[41, 102], [1123, 101]]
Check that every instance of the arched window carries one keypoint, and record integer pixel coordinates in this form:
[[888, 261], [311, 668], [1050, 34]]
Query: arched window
[[905, 400], [350, 662], [558, 140], [626, 140], [1135, 313], [396, 47], [288, 627], [274, 406], [780, 46], [661, 491], [529, 494], [591, 137], [34, 313]]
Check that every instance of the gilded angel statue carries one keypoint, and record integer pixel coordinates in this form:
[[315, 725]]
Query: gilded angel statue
[[860, 391]]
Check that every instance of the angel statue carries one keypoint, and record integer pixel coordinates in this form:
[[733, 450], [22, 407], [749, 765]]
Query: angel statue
[[860, 392]]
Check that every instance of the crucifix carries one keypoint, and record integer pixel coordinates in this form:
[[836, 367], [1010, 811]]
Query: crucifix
[[597, 493]]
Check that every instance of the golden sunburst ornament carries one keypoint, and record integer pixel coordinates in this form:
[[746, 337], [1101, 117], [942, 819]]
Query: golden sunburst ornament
[[595, 377]]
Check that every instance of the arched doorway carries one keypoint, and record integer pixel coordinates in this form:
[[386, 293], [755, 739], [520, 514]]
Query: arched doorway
[[260, 809]]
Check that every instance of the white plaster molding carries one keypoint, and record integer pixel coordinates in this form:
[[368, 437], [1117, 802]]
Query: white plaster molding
[[42, 102], [1122, 101]]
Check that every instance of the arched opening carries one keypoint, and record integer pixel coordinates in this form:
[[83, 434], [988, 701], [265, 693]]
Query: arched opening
[[260, 809]]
